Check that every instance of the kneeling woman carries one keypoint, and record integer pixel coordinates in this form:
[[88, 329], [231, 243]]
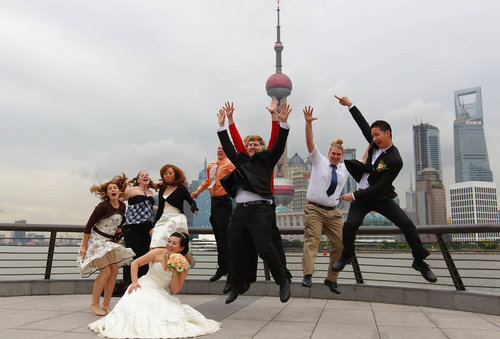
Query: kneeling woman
[[149, 310]]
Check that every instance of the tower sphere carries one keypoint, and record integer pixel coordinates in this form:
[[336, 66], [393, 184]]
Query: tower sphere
[[279, 85], [278, 47]]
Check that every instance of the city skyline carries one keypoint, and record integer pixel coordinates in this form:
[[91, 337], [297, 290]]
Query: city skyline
[[140, 87]]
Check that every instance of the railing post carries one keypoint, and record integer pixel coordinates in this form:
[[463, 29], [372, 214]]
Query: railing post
[[357, 270], [50, 254], [455, 276]]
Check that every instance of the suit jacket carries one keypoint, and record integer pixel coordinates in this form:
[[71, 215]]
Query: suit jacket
[[254, 173], [382, 173]]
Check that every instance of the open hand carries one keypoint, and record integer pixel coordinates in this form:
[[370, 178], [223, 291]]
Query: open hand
[[229, 109], [308, 111], [273, 106], [285, 112], [222, 117]]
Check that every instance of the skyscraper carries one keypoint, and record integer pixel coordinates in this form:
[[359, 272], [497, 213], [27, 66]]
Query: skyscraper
[[471, 155], [474, 202], [426, 149]]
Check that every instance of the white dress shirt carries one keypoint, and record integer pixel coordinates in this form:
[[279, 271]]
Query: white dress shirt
[[321, 177]]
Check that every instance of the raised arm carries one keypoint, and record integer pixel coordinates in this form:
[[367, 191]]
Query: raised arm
[[275, 124], [358, 117], [278, 148], [227, 146], [235, 135], [308, 111]]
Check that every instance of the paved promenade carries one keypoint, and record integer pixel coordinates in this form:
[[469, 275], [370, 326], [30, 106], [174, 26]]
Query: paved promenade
[[67, 316]]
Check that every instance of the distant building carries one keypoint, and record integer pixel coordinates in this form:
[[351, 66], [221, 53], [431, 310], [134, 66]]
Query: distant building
[[286, 219], [19, 237], [299, 173], [411, 205], [474, 202], [375, 219], [471, 155], [203, 202], [430, 201], [426, 147]]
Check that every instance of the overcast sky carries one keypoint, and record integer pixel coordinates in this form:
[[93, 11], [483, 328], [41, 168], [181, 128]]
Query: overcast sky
[[89, 89]]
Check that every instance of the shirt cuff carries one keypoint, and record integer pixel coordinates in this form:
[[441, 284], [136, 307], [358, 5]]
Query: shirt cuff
[[220, 129], [351, 106], [284, 125], [353, 197]]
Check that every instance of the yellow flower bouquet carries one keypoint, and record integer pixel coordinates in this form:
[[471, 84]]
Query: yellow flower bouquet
[[178, 262]]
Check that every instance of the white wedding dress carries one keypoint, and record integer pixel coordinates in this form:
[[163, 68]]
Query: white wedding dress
[[151, 312]]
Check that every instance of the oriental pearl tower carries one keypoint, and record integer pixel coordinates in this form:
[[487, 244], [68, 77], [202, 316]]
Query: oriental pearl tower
[[279, 86]]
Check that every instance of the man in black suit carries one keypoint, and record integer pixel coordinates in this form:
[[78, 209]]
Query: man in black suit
[[376, 192], [250, 185]]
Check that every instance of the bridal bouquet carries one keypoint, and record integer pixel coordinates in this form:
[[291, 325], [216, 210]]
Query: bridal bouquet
[[178, 262]]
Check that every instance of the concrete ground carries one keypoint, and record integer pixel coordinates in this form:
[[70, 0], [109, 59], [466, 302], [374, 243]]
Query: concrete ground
[[67, 316]]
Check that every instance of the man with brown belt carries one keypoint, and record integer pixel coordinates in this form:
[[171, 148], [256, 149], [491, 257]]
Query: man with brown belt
[[328, 177]]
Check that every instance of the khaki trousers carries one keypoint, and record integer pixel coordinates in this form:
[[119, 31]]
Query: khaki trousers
[[317, 220]]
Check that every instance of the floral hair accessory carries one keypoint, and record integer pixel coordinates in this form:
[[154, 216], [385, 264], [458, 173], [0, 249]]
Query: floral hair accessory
[[178, 262], [382, 166]]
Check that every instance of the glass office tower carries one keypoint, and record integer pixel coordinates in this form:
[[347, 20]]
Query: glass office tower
[[471, 155]]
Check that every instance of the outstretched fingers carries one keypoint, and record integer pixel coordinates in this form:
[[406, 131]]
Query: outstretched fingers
[[285, 112], [308, 111], [222, 117]]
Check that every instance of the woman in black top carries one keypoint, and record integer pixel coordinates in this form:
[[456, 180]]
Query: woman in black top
[[170, 216], [139, 220]]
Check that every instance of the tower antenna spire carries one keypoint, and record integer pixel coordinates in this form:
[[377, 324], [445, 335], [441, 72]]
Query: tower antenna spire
[[278, 47]]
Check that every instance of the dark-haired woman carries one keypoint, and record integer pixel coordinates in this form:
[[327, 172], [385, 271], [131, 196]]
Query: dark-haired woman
[[170, 216], [149, 309], [100, 249], [139, 220]]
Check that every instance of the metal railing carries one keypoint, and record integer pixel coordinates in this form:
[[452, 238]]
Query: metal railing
[[55, 257]]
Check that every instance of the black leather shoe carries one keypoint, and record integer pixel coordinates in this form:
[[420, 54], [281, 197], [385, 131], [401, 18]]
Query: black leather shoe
[[285, 291], [244, 288], [306, 282], [232, 297], [227, 288], [340, 264], [425, 270], [218, 274], [332, 285]]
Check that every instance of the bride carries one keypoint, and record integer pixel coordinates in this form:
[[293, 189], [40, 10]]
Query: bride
[[149, 309]]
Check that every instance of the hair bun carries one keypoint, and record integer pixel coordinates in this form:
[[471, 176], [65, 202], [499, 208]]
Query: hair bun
[[337, 142]]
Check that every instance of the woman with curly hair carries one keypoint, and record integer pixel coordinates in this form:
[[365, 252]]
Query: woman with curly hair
[[100, 249], [170, 215], [139, 220]]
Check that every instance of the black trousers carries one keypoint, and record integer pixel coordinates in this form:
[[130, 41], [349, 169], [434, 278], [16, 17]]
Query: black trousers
[[138, 239], [391, 211], [221, 209], [277, 243], [252, 225]]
